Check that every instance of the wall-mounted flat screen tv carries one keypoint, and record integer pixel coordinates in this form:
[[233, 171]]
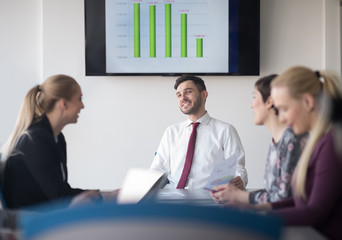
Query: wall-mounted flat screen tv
[[172, 37]]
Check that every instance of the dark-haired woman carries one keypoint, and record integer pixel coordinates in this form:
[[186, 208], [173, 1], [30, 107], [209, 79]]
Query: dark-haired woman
[[283, 154]]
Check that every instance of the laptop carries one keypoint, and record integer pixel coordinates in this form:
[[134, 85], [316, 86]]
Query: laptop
[[141, 185]]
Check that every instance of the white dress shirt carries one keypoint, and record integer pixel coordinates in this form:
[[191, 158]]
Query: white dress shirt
[[216, 141]]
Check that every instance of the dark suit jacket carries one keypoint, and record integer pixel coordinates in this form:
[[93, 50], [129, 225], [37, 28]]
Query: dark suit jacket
[[37, 171]]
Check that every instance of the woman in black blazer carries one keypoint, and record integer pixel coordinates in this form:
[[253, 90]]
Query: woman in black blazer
[[35, 154]]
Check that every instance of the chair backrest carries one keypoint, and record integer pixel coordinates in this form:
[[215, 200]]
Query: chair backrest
[[2, 172], [8, 218], [2, 201], [149, 221]]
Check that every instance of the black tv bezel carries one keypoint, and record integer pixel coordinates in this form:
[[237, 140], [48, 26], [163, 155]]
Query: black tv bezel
[[244, 32]]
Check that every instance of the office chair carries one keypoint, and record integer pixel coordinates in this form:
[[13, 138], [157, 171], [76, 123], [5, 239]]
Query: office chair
[[149, 221], [8, 218]]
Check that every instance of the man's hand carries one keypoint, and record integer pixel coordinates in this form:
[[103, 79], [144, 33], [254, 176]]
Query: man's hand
[[237, 182]]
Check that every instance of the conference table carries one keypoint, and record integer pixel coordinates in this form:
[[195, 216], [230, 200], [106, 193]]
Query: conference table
[[201, 197]]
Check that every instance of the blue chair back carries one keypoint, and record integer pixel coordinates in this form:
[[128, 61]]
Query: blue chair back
[[149, 221]]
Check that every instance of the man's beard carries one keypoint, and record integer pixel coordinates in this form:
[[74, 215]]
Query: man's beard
[[194, 109]]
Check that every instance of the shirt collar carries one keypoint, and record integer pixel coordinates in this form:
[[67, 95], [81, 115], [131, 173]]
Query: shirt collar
[[203, 120]]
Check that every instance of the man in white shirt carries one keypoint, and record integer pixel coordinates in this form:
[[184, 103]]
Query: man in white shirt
[[216, 141]]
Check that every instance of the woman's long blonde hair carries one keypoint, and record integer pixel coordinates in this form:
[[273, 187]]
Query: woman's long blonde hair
[[39, 100], [302, 80]]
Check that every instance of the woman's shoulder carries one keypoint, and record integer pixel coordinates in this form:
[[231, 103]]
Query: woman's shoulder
[[36, 133], [325, 148], [39, 130], [326, 141], [290, 137]]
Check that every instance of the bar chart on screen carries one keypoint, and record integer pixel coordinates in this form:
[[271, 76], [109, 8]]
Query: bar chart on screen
[[164, 32], [169, 33]]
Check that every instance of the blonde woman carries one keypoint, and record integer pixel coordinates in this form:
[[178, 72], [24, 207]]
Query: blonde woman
[[316, 185], [35, 154], [317, 200]]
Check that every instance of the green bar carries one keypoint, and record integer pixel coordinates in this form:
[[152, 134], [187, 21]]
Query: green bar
[[136, 29], [199, 47], [183, 35], [168, 30], [152, 30]]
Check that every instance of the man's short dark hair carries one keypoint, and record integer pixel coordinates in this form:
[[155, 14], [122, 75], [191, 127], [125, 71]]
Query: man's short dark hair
[[197, 81]]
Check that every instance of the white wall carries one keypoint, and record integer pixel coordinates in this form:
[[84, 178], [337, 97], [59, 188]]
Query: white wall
[[20, 56], [125, 117], [332, 35]]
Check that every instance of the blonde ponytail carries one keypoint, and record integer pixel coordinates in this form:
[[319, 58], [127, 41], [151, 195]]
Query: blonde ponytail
[[300, 173], [29, 111]]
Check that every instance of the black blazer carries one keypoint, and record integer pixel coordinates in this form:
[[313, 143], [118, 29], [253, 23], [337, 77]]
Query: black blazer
[[36, 172]]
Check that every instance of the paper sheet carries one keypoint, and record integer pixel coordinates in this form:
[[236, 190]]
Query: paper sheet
[[223, 172]]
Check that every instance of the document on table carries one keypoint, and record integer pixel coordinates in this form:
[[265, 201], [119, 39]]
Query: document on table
[[223, 172]]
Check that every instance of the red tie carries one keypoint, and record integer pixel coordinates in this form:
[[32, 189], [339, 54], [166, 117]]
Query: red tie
[[189, 156]]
